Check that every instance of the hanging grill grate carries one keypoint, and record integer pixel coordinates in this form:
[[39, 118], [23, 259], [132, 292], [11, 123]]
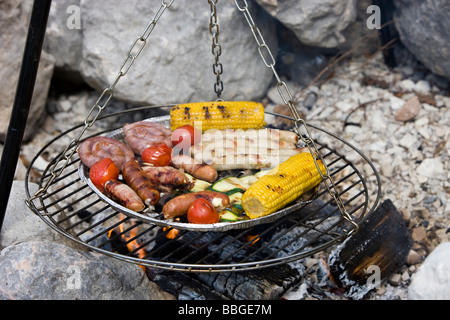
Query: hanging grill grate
[[73, 209], [349, 193]]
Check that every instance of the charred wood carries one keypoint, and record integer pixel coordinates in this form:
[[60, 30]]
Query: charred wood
[[378, 249]]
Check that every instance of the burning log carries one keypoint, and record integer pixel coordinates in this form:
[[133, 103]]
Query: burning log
[[378, 249]]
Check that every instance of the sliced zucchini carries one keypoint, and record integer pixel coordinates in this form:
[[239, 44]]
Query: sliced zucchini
[[227, 184], [228, 216], [248, 180], [199, 185], [236, 197], [237, 207]]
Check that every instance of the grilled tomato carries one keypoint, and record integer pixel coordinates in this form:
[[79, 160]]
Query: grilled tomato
[[102, 171], [202, 212], [187, 135], [159, 155]]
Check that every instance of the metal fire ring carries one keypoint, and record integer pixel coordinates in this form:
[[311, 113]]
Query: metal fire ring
[[73, 209]]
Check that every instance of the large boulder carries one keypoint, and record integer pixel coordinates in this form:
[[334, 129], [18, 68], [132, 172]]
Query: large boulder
[[176, 65], [20, 224], [64, 38], [47, 270], [424, 28], [38, 263], [318, 23], [14, 20]]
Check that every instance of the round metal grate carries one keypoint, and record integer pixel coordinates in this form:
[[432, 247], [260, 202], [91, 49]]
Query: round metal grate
[[73, 209]]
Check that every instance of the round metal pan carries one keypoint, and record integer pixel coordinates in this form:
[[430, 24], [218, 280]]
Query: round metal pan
[[158, 219]]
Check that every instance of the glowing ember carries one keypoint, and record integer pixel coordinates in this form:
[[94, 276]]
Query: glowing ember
[[171, 233]]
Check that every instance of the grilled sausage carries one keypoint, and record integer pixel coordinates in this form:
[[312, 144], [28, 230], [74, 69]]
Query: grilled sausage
[[179, 205], [136, 178], [95, 149], [123, 195], [167, 178], [198, 170]]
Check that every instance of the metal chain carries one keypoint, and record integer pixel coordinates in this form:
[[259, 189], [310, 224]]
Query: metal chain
[[287, 98], [216, 47], [106, 96]]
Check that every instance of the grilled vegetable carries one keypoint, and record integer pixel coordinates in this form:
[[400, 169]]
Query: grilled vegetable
[[197, 184], [282, 185], [202, 212], [159, 155], [219, 115], [229, 185], [228, 216], [187, 135], [102, 171]]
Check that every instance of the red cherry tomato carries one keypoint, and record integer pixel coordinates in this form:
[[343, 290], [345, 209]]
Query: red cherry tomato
[[103, 171], [159, 155], [187, 135], [202, 212]]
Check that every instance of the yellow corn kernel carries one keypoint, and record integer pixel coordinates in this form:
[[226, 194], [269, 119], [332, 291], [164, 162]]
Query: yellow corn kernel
[[282, 185], [219, 115]]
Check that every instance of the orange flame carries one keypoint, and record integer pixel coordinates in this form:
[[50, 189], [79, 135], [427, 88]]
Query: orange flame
[[132, 245], [171, 233], [252, 239]]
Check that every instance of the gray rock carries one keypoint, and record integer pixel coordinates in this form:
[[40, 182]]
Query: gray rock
[[14, 18], [432, 280], [315, 23], [409, 110], [50, 271], [176, 64], [424, 28], [20, 224], [431, 168], [64, 38]]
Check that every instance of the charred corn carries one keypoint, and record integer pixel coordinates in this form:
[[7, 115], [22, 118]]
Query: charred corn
[[282, 185], [218, 115]]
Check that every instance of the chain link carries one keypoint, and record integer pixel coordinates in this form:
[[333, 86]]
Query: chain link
[[133, 53], [286, 96], [216, 47]]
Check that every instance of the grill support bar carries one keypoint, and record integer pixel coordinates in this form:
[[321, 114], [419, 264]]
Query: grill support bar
[[22, 100]]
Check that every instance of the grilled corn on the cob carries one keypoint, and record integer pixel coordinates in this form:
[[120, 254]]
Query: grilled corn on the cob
[[282, 185], [219, 115]]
